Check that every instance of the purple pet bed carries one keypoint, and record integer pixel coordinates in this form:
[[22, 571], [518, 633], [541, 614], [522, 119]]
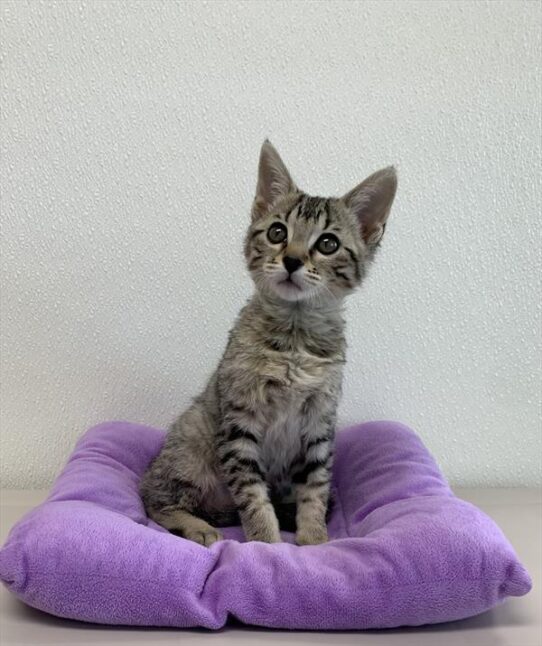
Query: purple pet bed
[[404, 549]]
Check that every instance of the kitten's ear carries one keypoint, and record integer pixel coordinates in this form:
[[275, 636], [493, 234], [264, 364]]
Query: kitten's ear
[[274, 180], [371, 202]]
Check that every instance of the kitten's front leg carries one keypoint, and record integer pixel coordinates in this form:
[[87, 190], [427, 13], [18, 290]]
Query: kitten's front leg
[[240, 462], [312, 485]]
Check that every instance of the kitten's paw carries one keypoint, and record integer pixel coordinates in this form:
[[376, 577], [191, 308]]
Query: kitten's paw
[[311, 536], [262, 525], [203, 535], [266, 536]]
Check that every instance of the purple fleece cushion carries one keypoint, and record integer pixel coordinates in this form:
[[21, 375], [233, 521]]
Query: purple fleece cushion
[[404, 549]]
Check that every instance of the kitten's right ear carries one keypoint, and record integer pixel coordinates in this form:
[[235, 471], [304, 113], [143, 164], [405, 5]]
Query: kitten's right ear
[[274, 180], [371, 202]]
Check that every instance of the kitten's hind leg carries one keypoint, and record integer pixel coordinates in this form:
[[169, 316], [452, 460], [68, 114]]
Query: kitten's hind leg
[[186, 524], [173, 502], [182, 476]]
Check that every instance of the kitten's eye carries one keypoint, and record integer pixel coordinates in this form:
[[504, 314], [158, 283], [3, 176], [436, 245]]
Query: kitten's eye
[[327, 244], [277, 232]]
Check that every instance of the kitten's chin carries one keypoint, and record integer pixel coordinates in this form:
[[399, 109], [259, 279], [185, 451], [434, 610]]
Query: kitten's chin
[[290, 291]]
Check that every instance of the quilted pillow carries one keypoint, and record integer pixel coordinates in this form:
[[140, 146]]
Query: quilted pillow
[[404, 549]]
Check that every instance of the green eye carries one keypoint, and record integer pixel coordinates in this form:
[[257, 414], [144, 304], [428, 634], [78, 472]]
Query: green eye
[[277, 232], [327, 244]]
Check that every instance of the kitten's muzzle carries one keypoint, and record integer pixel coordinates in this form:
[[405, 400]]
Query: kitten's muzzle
[[291, 263]]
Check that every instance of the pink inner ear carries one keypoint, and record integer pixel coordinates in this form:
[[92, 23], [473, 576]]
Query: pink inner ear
[[372, 233], [371, 202], [259, 207]]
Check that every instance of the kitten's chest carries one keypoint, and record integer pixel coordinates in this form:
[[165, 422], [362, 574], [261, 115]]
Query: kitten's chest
[[291, 407], [281, 442], [298, 373]]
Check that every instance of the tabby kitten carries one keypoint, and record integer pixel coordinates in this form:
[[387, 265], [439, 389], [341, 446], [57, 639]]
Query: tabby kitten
[[259, 438]]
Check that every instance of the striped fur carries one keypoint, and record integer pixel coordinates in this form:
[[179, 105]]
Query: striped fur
[[259, 439]]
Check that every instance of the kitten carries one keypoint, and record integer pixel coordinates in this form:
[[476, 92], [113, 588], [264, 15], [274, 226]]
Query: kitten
[[259, 439]]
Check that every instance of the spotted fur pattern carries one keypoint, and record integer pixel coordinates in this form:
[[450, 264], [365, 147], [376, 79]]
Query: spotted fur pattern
[[259, 440]]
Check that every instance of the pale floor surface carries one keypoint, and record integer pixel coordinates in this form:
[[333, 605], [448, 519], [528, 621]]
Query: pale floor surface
[[516, 623]]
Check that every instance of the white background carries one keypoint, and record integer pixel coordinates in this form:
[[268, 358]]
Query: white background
[[130, 136]]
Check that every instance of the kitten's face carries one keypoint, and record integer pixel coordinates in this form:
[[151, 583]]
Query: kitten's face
[[306, 248], [301, 247]]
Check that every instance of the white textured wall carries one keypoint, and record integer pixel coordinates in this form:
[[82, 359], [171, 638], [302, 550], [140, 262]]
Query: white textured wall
[[130, 138]]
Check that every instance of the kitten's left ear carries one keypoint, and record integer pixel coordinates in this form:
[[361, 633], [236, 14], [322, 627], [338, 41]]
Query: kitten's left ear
[[371, 202], [274, 180]]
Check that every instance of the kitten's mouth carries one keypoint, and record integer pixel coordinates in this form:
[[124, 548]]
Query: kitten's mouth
[[289, 286], [288, 289], [290, 283]]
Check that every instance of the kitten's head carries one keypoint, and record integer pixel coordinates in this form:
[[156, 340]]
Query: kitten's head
[[300, 247]]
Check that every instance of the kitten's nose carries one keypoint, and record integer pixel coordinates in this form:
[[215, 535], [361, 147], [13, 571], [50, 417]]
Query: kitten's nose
[[291, 263]]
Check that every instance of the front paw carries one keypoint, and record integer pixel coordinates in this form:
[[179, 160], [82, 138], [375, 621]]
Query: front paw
[[311, 535], [261, 525], [268, 535]]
